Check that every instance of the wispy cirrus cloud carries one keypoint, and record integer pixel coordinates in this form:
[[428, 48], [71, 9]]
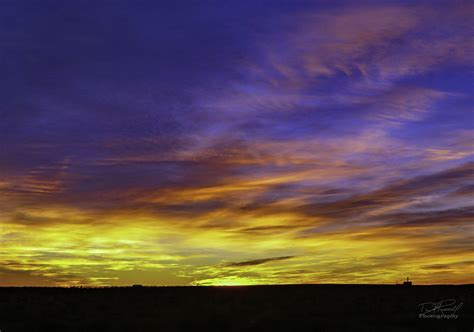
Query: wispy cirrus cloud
[[316, 136]]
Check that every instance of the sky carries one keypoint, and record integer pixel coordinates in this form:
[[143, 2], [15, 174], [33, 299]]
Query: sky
[[236, 142]]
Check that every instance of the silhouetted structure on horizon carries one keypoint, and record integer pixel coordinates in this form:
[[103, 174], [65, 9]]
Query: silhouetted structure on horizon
[[278, 308]]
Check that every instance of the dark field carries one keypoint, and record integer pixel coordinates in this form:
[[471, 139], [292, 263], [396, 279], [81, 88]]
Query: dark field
[[252, 308]]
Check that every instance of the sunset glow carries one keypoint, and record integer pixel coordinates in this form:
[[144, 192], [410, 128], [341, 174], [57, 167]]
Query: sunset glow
[[271, 142]]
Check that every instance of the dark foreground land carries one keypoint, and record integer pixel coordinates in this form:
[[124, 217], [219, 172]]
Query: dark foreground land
[[253, 308]]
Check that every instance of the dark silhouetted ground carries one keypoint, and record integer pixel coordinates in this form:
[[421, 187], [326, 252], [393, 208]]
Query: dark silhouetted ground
[[253, 308]]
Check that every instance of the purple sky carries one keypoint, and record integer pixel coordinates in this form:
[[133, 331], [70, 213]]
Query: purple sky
[[228, 142]]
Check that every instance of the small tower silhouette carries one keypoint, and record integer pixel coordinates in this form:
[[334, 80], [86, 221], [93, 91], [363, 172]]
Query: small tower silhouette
[[407, 283]]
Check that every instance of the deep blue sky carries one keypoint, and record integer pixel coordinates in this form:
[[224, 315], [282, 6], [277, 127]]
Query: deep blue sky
[[280, 123]]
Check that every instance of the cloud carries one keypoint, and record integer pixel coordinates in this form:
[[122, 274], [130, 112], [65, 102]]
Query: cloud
[[258, 261], [338, 132], [449, 266], [396, 195], [451, 217]]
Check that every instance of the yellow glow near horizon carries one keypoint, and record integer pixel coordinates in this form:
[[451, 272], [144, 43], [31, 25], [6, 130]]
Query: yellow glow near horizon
[[74, 254]]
